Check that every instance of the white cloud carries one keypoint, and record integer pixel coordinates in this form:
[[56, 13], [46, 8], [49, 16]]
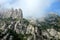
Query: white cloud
[[30, 7], [2, 1]]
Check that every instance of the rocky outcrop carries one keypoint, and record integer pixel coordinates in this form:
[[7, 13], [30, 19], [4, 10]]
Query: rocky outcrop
[[16, 27], [14, 13]]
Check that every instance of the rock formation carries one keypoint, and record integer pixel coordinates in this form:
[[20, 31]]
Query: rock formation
[[14, 27]]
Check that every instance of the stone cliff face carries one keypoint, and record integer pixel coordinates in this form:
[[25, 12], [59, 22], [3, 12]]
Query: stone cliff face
[[14, 13], [10, 20], [15, 27], [31, 31]]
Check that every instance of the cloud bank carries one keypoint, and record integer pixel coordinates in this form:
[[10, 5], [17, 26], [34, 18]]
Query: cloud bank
[[35, 8]]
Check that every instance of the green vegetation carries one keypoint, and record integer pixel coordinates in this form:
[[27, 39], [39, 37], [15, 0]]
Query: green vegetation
[[25, 21], [52, 21]]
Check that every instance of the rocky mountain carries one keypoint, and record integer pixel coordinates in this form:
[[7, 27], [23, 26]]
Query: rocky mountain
[[16, 27]]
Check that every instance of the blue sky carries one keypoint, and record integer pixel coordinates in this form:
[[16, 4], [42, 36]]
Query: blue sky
[[55, 7], [33, 8]]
